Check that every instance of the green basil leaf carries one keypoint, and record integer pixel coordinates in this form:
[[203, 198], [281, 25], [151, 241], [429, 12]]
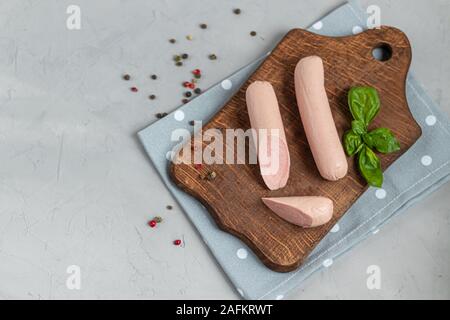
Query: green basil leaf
[[352, 142], [383, 140], [370, 167], [364, 103], [359, 127]]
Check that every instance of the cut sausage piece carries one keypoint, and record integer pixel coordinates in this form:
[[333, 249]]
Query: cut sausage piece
[[265, 119], [317, 119], [302, 211]]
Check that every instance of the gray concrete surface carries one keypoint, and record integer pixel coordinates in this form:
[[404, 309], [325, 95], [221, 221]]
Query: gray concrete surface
[[77, 189]]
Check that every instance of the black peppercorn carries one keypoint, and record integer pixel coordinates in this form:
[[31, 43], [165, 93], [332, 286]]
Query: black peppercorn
[[161, 115], [187, 94], [197, 91], [179, 63], [237, 11], [154, 77], [184, 56], [185, 101], [126, 77], [172, 40], [152, 97], [212, 56], [203, 26], [253, 33]]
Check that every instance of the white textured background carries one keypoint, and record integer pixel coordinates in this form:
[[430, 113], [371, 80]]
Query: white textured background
[[76, 187]]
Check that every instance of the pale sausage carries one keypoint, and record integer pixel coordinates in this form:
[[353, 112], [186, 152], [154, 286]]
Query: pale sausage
[[272, 148], [317, 119], [304, 211]]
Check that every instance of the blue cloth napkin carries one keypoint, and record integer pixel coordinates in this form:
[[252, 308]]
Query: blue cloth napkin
[[418, 172]]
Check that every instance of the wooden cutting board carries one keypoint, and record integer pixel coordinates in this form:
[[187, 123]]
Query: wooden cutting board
[[234, 197]]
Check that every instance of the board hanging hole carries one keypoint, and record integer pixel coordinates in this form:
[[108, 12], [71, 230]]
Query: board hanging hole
[[382, 52]]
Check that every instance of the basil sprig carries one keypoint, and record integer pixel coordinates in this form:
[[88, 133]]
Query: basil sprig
[[364, 105]]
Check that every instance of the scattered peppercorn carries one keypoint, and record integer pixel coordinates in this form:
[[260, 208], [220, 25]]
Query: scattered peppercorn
[[185, 101], [172, 40], [177, 58], [198, 91], [192, 123], [191, 85], [203, 25], [152, 97], [154, 77], [197, 76], [189, 37], [126, 77], [237, 11], [186, 84], [211, 175], [196, 71], [177, 242], [179, 64], [152, 223], [212, 56], [187, 94], [169, 207], [134, 89], [253, 33], [157, 219], [194, 80], [161, 115], [184, 56]]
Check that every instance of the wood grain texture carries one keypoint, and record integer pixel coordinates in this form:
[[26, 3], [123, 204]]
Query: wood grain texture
[[234, 196]]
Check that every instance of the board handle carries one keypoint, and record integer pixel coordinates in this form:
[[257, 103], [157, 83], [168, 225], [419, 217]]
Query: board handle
[[387, 45]]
